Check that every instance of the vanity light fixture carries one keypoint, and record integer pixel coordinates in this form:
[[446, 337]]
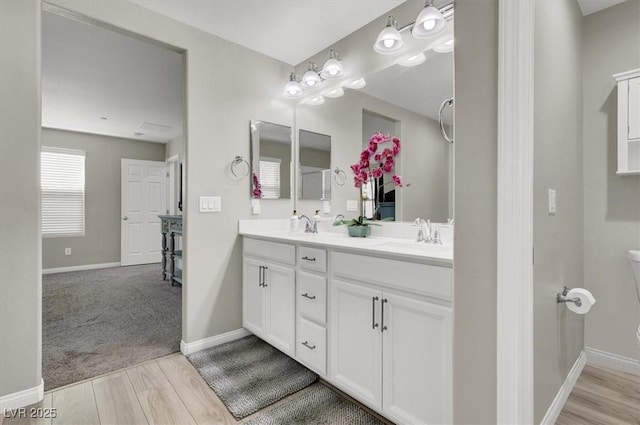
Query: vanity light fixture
[[429, 22], [444, 47], [389, 40], [414, 60], [357, 84], [316, 100], [337, 92], [293, 88], [332, 69], [311, 79]]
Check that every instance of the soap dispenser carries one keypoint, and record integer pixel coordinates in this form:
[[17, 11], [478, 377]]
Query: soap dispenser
[[316, 219], [294, 222]]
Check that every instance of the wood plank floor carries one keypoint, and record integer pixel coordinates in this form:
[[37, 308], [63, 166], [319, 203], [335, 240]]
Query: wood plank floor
[[166, 391], [603, 396]]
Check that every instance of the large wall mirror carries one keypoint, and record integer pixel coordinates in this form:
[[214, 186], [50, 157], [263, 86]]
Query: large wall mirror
[[402, 101], [271, 153], [314, 170]]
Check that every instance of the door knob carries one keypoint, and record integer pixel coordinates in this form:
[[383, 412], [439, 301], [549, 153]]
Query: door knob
[[125, 218]]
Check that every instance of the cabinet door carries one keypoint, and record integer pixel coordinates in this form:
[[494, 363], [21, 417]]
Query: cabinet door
[[356, 341], [281, 312], [416, 353], [253, 298], [634, 108]]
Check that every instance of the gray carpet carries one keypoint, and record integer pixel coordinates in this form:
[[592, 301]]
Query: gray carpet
[[248, 374], [98, 321], [317, 405]]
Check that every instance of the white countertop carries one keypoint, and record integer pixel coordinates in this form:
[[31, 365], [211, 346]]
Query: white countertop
[[337, 237]]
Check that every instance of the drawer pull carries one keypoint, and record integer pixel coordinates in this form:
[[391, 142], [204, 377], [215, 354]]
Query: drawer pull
[[310, 347], [373, 308], [309, 258], [306, 295], [384, 327]]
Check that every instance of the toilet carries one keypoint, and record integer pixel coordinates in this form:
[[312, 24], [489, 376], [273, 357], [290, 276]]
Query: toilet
[[634, 257]]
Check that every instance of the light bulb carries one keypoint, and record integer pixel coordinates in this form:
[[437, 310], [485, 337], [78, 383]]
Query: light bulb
[[293, 87], [388, 43], [389, 40], [332, 69], [429, 25]]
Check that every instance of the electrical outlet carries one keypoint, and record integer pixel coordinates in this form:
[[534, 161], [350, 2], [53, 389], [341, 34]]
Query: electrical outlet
[[552, 202], [67, 251]]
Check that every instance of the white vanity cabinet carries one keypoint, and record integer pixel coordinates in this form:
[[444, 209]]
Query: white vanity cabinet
[[392, 348], [268, 285], [628, 122]]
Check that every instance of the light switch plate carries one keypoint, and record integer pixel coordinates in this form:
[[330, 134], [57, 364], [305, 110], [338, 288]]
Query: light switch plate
[[552, 202], [326, 207], [352, 205], [209, 204], [255, 206]]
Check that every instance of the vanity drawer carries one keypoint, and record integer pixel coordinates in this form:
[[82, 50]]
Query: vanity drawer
[[280, 252], [312, 296], [311, 347], [433, 281], [312, 258]]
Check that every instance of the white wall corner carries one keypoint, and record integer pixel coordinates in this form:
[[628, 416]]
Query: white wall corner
[[192, 347], [22, 398], [515, 212], [563, 393], [612, 361]]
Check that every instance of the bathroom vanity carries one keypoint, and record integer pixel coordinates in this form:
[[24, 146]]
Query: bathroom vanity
[[372, 316]]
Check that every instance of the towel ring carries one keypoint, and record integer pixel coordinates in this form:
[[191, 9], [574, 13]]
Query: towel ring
[[447, 102], [339, 176], [239, 160]]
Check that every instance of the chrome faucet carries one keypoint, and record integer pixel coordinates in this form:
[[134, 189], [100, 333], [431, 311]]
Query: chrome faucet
[[311, 226], [424, 230]]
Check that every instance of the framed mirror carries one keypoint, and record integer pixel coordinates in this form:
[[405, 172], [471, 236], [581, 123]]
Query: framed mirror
[[314, 171], [271, 154]]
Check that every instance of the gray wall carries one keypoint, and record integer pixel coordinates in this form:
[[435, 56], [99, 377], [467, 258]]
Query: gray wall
[[558, 333], [101, 242], [475, 174], [20, 244], [611, 202]]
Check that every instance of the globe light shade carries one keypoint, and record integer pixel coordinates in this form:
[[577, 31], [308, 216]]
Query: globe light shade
[[332, 70], [429, 22], [389, 41], [337, 92], [293, 88], [444, 47], [357, 84], [311, 80], [414, 60]]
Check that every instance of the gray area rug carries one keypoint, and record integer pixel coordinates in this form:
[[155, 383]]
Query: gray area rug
[[317, 405], [98, 321], [248, 374]]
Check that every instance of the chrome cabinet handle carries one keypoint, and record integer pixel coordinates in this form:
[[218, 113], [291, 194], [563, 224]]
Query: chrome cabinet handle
[[309, 258], [125, 218], [373, 309], [260, 276], [384, 327], [306, 295], [310, 347], [264, 274]]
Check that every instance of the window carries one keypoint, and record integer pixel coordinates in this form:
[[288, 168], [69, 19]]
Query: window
[[270, 177], [62, 190]]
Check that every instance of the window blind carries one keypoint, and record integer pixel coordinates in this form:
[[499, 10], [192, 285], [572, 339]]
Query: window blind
[[62, 190], [270, 177], [326, 185]]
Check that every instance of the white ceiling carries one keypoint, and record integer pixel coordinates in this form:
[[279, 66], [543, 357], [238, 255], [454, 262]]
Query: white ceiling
[[420, 89], [290, 31], [89, 73], [592, 6]]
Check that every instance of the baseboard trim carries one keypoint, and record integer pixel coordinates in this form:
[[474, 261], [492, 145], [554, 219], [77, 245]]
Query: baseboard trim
[[78, 268], [563, 393], [613, 361], [22, 398], [191, 347]]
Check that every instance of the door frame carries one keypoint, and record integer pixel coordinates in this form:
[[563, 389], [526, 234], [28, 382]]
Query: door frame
[[173, 163], [515, 212]]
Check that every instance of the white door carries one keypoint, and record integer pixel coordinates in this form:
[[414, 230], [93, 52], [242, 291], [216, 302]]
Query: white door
[[144, 197], [356, 341], [281, 301], [253, 297], [634, 108], [416, 361]]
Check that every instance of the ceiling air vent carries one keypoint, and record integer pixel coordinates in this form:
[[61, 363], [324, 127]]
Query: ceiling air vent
[[154, 127]]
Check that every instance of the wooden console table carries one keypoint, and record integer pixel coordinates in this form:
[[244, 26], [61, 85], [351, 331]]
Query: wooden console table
[[171, 229]]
